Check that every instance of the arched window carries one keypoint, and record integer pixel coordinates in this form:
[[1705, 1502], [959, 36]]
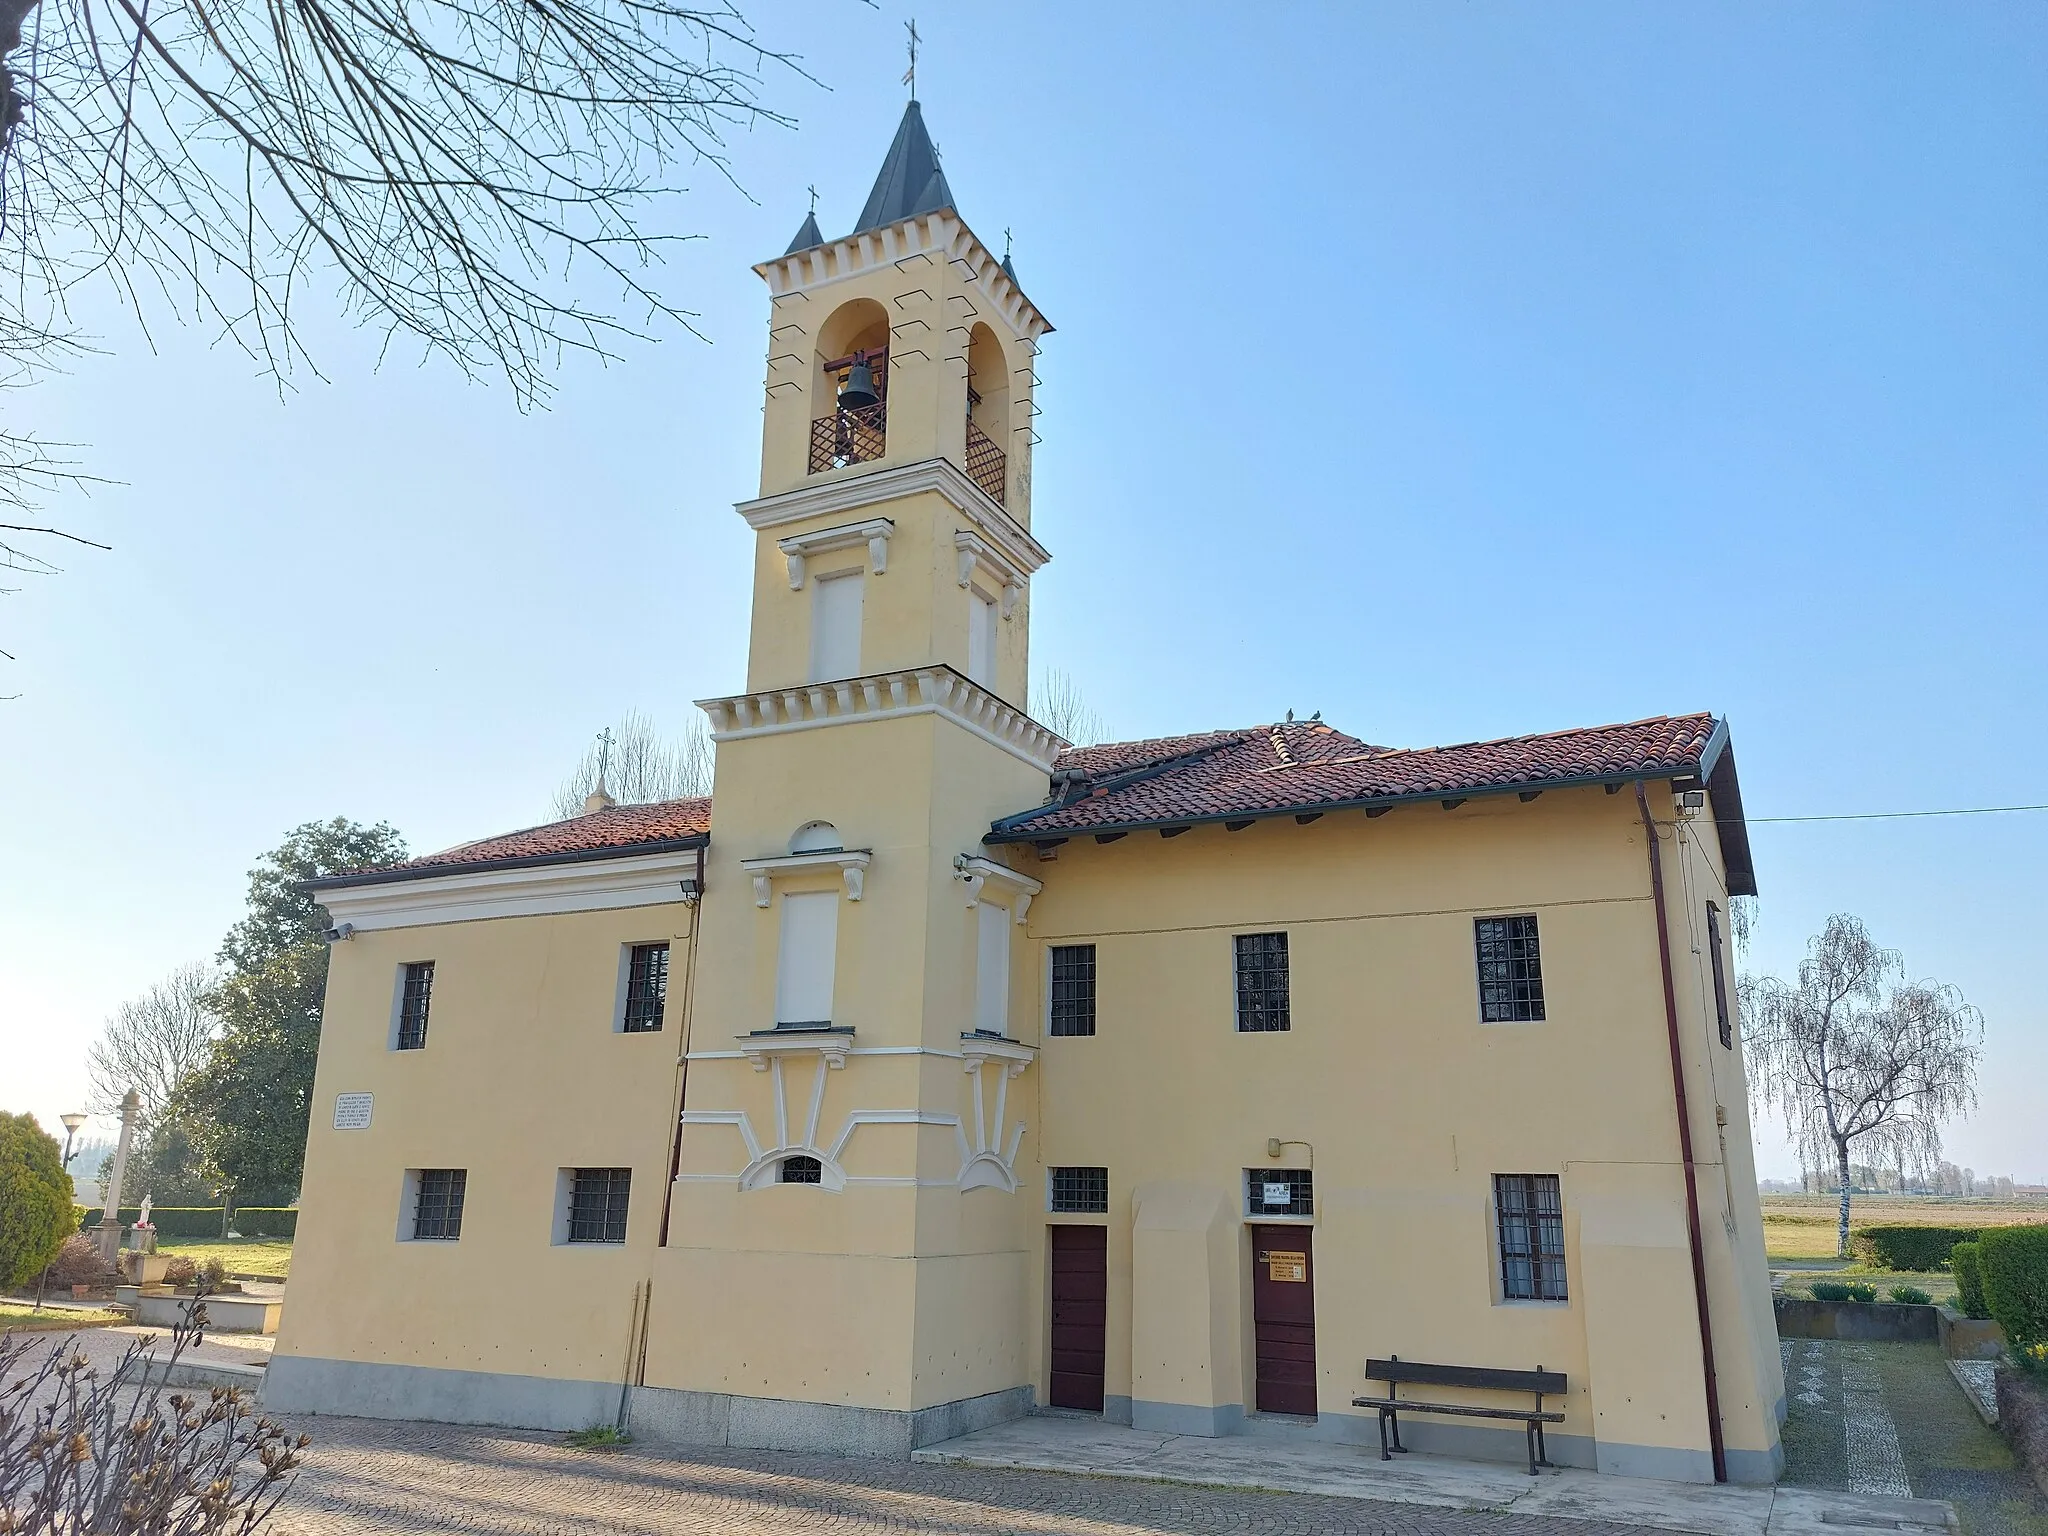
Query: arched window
[[850, 387], [988, 412], [816, 837], [799, 1169]]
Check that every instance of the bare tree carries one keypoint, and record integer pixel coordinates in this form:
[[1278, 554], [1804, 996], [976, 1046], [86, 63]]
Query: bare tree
[[636, 765], [152, 1043], [1857, 1055], [1057, 704], [485, 179], [32, 468]]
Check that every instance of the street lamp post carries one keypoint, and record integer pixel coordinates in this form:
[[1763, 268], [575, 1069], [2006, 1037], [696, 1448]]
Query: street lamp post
[[71, 1124]]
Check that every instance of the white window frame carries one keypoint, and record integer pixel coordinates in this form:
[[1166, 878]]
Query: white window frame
[[992, 942], [625, 979], [826, 902], [398, 1005], [830, 669], [983, 632]]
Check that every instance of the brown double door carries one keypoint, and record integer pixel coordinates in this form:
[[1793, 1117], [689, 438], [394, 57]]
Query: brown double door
[[1080, 1296], [1284, 1318]]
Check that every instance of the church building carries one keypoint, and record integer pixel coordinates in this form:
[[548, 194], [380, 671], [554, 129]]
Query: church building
[[934, 1071]]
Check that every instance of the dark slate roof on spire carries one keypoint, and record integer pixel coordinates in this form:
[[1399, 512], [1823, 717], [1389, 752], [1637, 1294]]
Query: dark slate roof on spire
[[807, 236], [911, 181]]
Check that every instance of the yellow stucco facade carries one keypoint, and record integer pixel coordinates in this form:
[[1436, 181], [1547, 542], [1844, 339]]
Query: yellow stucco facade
[[839, 1158]]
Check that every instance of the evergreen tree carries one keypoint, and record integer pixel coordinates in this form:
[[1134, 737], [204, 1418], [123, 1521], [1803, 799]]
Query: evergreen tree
[[36, 1213]]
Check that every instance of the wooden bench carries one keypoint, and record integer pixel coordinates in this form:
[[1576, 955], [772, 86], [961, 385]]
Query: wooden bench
[[1396, 1373]]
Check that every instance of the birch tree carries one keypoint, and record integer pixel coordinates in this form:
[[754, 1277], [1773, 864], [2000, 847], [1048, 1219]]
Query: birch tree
[[1858, 1056]]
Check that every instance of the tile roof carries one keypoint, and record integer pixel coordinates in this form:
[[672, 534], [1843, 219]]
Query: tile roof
[[624, 828], [1299, 765]]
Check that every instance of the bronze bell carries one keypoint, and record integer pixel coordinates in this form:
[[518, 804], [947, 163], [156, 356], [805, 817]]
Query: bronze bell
[[859, 389]]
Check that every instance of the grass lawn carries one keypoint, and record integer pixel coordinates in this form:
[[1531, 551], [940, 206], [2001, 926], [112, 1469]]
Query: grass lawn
[[270, 1258], [1803, 1226], [1940, 1284], [21, 1317]]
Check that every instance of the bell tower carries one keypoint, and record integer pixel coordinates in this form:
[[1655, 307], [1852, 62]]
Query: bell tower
[[899, 356], [858, 1171]]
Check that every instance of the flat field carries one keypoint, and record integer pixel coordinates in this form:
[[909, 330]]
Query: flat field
[[1799, 1233], [267, 1257]]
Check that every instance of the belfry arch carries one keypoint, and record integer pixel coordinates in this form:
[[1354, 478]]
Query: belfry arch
[[850, 364], [988, 411]]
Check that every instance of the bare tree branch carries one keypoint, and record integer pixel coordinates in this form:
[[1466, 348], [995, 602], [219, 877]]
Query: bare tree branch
[[1057, 705], [152, 1043], [640, 766]]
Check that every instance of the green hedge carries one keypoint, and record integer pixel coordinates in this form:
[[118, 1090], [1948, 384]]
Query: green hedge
[[1914, 1248], [2014, 1263], [1969, 1279], [193, 1221]]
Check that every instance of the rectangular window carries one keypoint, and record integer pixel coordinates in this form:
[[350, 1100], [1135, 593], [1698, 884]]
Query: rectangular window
[[1720, 976], [810, 946], [981, 639], [836, 603], [646, 988], [1279, 1192], [415, 992], [1261, 982], [1530, 1212], [437, 1204], [991, 968], [597, 1204], [1510, 970], [1077, 1189], [1073, 990]]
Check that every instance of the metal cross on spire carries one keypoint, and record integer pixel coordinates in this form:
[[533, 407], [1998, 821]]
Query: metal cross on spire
[[910, 74], [604, 754], [813, 190]]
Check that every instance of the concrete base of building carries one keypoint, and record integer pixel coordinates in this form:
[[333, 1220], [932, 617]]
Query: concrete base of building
[[665, 1415], [672, 1416], [375, 1390]]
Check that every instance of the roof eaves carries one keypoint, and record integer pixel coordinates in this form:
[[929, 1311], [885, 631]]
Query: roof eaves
[[525, 861], [1006, 831], [1124, 780]]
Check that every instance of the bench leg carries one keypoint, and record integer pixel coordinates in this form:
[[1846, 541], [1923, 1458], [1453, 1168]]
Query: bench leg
[[1385, 1454], [1395, 1415], [1542, 1450], [1533, 1432]]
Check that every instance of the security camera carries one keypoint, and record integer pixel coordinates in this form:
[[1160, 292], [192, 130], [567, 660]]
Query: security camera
[[339, 934]]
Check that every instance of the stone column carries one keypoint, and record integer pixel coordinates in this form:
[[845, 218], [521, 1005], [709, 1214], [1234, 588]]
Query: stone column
[[108, 1234]]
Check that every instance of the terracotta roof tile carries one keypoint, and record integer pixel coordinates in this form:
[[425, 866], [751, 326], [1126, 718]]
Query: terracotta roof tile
[[624, 827], [1272, 770]]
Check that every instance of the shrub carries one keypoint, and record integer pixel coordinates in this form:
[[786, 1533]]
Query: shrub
[[1861, 1292], [212, 1274], [266, 1221], [1962, 1260], [1912, 1248], [2014, 1266], [1829, 1290], [36, 1213], [1910, 1296], [118, 1454], [78, 1262], [180, 1270]]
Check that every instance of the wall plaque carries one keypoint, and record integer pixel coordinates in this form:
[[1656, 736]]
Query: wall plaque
[[1287, 1266], [352, 1111]]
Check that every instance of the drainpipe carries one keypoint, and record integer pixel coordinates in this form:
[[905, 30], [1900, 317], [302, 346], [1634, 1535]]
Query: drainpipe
[[675, 1129], [1692, 1192]]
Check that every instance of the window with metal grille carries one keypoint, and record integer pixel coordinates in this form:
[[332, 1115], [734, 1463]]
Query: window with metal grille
[[1077, 1189], [1261, 982], [415, 993], [646, 988], [1073, 990], [597, 1204], [437, 1206], [1510, 969], [1279, 1192], [1720, 976], [1530, 1212], [800, 1170]]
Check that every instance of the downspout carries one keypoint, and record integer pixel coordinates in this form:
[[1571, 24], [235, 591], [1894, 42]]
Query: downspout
[[675, 1128], [1692, 1192]]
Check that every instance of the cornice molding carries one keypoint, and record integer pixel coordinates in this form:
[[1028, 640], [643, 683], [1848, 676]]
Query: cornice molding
[[939, 236], [886, 696], [799, 547], [1005, 535], [975, 872], [633, 880], [851, 864]]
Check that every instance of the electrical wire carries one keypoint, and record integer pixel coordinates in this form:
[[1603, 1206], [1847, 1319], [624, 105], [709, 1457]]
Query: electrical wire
[[1975, 810]]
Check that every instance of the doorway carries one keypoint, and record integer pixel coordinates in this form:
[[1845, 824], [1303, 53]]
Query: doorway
[[1284, 1319], [1080, 1299]]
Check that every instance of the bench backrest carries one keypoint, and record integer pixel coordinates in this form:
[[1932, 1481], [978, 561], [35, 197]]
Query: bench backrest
[[1549, 1383]]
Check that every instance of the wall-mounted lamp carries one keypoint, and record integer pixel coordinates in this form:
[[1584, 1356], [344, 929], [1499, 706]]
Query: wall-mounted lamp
[[1275, 1145]]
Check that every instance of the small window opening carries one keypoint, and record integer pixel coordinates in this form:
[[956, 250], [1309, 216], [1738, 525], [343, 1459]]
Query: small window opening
[[800, 1169]]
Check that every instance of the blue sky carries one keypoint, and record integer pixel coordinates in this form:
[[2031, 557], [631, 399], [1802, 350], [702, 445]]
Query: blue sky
[[1456, 370]]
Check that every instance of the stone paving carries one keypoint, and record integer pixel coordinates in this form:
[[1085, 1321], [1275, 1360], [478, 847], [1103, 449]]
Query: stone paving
[[1892, 1418]]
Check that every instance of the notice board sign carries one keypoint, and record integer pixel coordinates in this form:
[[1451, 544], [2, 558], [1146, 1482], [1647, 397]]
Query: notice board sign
[[1292, 1267], [352, 1111]]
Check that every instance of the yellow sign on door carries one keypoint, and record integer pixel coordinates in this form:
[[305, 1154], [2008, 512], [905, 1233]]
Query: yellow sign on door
[[1287, 1266]]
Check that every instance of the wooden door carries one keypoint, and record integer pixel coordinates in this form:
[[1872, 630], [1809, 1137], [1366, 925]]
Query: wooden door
[[1080, 1299], [1284, 1319]]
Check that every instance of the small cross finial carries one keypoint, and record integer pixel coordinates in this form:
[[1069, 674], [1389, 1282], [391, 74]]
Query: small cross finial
[[813, 190], [604, 754], [910, 74], [1006, 242]]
